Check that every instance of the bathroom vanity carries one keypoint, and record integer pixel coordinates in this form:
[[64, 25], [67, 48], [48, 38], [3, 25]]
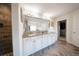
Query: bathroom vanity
[[36, 35], [32, 44]]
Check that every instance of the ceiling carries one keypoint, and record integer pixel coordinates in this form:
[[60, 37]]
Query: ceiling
[[51, 9]]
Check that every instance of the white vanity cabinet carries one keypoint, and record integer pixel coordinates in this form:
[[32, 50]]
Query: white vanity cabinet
[[28, 46], [51, 39], [54, 38], [44, 41], [36, 43], [31, 45]]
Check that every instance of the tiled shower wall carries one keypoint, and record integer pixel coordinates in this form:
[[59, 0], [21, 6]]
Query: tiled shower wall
[[5, 29]]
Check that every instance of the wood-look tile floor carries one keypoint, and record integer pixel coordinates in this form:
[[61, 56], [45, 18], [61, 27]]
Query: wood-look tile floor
[[60, 48]]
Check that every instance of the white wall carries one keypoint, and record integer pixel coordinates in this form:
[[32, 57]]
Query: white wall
[[17, 30], [69, 17], [75, 28]]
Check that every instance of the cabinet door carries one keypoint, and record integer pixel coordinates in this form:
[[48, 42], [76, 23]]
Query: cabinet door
[[28, 46], [37, 43], [45, 41], [75, 32], [50, 38], [33, 44]]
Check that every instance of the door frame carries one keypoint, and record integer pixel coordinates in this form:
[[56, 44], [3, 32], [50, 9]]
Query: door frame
[[58, 28]]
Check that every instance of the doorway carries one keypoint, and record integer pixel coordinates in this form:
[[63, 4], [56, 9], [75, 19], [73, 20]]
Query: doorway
[[62, 29], [5, 30]]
